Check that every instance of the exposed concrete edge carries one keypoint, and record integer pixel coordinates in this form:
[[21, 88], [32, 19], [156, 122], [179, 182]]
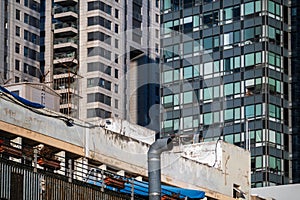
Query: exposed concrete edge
[[39, 137], [208, 193]]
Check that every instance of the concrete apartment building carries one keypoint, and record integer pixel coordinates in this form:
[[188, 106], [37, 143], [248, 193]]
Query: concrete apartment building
[[226, 74], [20, 41], [102, 57]]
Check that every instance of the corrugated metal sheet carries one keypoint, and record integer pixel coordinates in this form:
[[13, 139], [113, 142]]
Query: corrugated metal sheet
[[19, 182]]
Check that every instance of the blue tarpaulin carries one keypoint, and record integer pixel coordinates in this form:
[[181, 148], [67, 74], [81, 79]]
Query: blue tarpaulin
[[141, 188], [22, 100]]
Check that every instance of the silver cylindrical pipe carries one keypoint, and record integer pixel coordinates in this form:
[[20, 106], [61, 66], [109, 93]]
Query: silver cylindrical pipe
[[154, 168]]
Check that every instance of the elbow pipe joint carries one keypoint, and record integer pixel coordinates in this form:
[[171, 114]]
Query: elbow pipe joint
[[154, 168]]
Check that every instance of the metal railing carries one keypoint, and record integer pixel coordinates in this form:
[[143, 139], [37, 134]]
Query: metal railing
[[50, 174], [64, 55], [60, 9], [65, 40], [65, 25]]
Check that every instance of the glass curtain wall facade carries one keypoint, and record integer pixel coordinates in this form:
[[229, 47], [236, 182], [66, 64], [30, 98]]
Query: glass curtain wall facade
[[225, 75], [295, 90]]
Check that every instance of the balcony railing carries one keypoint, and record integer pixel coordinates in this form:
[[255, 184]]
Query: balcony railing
[[65, 40], [64, 55], [65, 25], [60, 9]]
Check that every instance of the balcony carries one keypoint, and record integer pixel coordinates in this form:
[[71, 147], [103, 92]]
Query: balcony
[[66, 2], [65, 58], [65, 44], [137, 16], [65, 29], [65, 13]]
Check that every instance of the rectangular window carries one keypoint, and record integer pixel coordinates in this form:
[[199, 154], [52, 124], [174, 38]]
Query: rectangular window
[[228, 115], [98, 20], [17, 79], [117, 13], [271, 7], [249, 111], [274, 111], [116, 28], [216, 92], [249, 8], [188, 47], [17, 48], [188, 72], [116, 43], [231, 63], [207, 93], [116, 103], [116, 58], [196, 21], [188, 97], [274, 59], [18, 14], [227, 13], [188, 122], [228, 89], [232, 114], [116, 88], [167, 4], [18, 31], [98, 66], [210, 19], [258, 162], [207, 118], [17, 65], [116, 73], [208, 68], [99, 51], [207, 43], [253, 111], [252, 59], [168, 76]]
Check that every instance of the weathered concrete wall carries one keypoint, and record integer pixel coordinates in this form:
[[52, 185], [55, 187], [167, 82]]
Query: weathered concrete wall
[[125, 128], [199, 166], [53, 127]]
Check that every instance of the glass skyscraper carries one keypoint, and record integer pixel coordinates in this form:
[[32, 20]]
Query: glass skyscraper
[[226, 74]]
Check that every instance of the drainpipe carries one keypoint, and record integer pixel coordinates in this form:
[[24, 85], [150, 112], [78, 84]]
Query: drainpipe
[[154, 172]]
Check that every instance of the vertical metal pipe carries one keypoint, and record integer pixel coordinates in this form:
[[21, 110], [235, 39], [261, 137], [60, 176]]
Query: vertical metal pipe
[[132, 189], [35, 159], [70, 170], [154, 168]]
